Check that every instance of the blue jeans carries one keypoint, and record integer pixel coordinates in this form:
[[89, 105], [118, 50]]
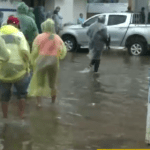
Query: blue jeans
[[26, 85], [20, 86]]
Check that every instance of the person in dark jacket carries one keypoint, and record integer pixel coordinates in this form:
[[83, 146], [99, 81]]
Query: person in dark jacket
[[142, 15], [40, 16], [99, 37]]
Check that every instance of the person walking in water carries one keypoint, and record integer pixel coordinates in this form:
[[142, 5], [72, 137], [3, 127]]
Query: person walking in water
[[98, 38], [15, 69], [48, 48]]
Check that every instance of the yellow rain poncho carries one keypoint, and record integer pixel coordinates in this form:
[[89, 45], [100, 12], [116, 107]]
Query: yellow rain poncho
[[4, 52], [16, 64], [47, 44]]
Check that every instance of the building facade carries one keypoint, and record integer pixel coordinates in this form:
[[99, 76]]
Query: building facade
[[97, 8], [136, 6], [107, 1], [70, 9]]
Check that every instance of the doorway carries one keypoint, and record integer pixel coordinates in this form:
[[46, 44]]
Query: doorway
[[34, 3]]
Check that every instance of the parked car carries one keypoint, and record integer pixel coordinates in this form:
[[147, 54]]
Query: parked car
[[125, 30]]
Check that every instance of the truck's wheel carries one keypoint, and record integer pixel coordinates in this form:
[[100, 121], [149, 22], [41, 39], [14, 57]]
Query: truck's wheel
[[70, 43], [136, 48]]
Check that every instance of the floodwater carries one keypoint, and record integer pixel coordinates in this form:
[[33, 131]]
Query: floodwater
[[105, 110]]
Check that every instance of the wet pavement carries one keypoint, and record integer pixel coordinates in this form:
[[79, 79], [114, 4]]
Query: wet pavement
[[105, 110]]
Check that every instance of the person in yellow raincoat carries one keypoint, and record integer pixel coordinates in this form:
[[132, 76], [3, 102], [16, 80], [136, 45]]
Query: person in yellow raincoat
[[14, 68], [47, 49]]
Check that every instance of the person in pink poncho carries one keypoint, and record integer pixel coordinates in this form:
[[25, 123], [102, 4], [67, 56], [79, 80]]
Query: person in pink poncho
[[48, 48]]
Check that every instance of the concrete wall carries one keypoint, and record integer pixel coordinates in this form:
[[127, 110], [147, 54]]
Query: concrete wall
[[49, 5], [35, 3], [123, 1], [138, 4], [66, 9], [106, 7], [80, 6], [70, 9]]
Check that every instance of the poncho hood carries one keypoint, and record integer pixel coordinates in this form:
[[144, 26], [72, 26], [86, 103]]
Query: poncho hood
[[94, 28], [31, 9], [8, 29], [48, 26], [22, 8]]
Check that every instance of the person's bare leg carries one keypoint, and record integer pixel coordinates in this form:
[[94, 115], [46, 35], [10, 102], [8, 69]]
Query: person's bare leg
[[53, 99], [4, 106], [39, 101], [21, 108], [52, 77], [53, 95]]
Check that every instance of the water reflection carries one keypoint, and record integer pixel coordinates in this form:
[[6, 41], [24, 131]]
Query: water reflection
[[15, 136], [88, 102], [44, 126]]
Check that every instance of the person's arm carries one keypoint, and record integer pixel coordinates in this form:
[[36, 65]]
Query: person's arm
[[4, 52], [35, 52], [83, 20], [62, 52], [60, 16], [105, 32], [24, 48], [25, 51], [90, 30], [104, 35]]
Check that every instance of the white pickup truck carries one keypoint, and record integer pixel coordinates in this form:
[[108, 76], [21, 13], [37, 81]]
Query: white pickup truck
[[125, 30]]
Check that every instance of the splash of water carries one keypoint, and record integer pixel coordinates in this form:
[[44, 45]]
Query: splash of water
[[86, 70]]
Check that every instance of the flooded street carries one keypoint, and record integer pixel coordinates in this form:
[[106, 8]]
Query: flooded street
[[105, 110]]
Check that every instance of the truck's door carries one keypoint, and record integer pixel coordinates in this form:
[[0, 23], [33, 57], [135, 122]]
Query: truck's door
[[117, 25]]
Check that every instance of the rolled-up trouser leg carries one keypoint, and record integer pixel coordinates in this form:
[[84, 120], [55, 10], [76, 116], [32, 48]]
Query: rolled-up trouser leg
[[96, 66], [92, 62], [5, 97]]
